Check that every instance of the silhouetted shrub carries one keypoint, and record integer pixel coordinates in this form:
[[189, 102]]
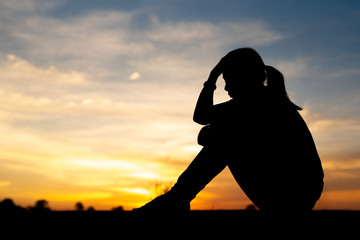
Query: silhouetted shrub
[[79, 206], [41, 206], [118, 209], [91, 209], [7, 206]]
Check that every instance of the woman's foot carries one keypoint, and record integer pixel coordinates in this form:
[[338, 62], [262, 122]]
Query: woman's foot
[[166, 204]]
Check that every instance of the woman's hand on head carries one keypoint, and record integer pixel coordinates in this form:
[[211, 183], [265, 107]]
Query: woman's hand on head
[[215, 73]]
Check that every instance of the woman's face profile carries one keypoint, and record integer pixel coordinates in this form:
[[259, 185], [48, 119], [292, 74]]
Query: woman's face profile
[[241, 80], [230, 84]]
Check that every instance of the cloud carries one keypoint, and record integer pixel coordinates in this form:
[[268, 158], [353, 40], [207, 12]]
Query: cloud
[[336, 135], [337, 144], [26, 87], [28, 6], [68, 113], [345, 72], [206, 34], [71, 112], [292, 69], [4, 184], [134, 76], [73, 118], [17, 69], [106, 43], [75, 70]]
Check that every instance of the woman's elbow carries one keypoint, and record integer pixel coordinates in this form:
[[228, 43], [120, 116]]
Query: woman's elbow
[[201, 120]]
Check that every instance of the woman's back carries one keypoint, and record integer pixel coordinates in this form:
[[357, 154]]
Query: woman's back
[[268, 145]]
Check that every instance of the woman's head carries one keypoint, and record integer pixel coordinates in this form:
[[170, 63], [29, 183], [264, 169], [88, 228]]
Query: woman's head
[[243, 71], [242, 68]]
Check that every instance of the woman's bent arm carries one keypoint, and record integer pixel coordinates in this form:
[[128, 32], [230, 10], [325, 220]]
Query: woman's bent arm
[[204, 105], [202, 113]]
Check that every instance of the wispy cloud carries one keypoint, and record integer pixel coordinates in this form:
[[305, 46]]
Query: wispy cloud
[[106, 43], [105, 97], [345, 72], [30, 6], [206, 34]]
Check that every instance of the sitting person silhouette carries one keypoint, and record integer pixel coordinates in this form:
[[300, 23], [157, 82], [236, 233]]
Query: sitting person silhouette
[[258, 134]]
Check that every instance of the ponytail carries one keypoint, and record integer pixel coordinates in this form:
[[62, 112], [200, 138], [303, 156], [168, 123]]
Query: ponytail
[[276, 85]]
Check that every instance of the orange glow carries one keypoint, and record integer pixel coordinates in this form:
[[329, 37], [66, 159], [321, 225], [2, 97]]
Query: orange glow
[[64, 140], [109, 183]]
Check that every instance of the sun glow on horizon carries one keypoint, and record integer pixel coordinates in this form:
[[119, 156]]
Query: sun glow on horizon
[[101, 167], [97, 103]]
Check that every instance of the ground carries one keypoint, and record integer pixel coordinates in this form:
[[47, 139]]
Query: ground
[[197, 223]]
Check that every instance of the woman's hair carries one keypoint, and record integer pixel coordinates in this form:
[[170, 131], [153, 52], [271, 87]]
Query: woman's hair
[[244, 63], [276, 85], [247, 64]]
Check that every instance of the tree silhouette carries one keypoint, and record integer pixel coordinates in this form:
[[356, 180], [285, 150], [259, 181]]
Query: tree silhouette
[[79, 206], [90, 209], [41, 206], [7, 206], [118, 209]]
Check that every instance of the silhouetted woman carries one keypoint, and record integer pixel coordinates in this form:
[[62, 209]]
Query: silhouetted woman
[[258, 134]]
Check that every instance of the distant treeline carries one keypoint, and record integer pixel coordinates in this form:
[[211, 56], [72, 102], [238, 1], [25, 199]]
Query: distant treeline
[[42, 206]]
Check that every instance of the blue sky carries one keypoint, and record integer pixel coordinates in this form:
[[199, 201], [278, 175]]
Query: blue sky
[[107, 88]]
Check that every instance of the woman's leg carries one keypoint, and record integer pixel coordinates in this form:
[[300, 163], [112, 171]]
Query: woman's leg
[[206, 165]]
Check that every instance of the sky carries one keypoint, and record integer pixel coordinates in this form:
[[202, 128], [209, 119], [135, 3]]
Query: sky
[[97, 96]]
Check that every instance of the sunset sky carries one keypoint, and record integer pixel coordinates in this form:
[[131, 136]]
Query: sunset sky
[[97, 96]]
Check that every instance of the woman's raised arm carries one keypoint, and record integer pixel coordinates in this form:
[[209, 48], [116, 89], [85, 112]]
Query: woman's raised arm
[[203, 109]]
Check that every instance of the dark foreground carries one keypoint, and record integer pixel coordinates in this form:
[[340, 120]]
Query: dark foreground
[[204, 223]]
